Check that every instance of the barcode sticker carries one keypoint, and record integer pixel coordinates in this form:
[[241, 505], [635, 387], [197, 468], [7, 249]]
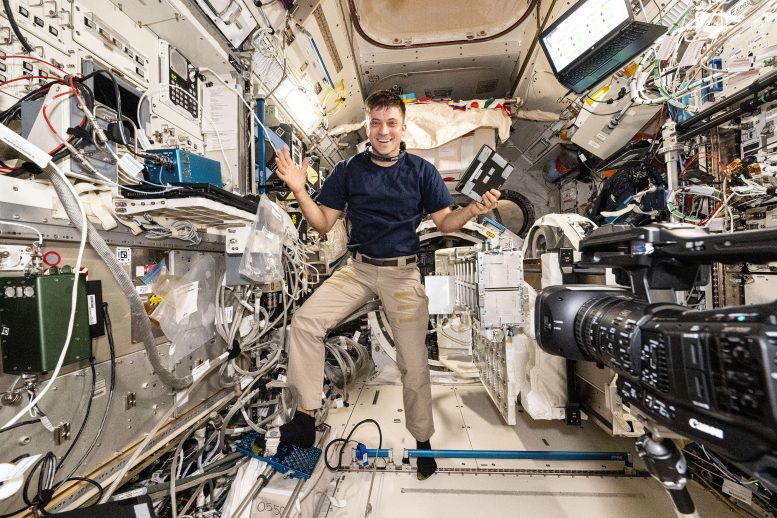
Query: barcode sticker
[[46, 422], [738, 491], [91, 302]]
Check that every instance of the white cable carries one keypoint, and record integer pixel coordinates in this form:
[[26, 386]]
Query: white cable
[[250, 110], [73, 300], [158, 88], [181, 398], [40, 236], [184, 230], [643, 11]]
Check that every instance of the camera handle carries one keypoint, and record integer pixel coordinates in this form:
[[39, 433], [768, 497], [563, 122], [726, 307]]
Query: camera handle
[[666, 463]]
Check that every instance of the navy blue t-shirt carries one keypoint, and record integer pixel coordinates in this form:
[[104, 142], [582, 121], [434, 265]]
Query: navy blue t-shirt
[[385, 204]]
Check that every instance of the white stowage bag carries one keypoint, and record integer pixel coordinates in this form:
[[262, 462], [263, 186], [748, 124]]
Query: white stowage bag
[[240, 489], [545, 394], [263, 257]]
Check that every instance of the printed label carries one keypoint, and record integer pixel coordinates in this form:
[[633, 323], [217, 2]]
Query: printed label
[[91, 302], [124, 255]]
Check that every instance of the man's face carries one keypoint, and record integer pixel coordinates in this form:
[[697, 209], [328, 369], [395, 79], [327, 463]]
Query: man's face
[[386, 128]]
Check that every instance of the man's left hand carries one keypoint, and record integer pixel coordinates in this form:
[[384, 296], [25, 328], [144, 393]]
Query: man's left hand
[[490, 201]]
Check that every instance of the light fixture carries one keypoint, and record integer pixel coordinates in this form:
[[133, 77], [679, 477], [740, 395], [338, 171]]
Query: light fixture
[[304, 110]]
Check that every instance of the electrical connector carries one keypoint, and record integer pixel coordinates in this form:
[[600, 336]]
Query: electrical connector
[[273, 440], [361, 455]]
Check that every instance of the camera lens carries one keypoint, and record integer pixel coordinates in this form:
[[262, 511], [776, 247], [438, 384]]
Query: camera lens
[[607, 330]]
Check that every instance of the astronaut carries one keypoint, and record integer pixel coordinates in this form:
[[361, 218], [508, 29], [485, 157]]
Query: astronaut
[[384, 193]]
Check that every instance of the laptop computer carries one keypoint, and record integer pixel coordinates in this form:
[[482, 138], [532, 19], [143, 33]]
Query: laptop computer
[[593, 39]]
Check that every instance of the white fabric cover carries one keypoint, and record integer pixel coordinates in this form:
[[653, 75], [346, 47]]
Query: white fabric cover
[[430, 125], [546, 393]]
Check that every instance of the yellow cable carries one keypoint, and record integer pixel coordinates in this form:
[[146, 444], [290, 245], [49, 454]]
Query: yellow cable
[[339, 101]]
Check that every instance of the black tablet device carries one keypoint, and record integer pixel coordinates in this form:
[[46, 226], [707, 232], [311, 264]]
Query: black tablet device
[[487, 171]]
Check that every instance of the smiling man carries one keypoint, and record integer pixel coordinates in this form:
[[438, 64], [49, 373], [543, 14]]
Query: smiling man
[[384, 192]]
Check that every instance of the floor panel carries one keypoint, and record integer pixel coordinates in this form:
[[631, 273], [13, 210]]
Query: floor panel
[[466, 419]]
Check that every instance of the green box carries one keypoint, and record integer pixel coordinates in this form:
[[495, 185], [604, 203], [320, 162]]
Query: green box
[[34, 315]]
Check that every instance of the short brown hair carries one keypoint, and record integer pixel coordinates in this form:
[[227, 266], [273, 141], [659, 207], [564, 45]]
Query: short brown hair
[[385, 99]]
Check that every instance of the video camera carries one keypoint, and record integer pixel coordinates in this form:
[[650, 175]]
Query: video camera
[[707, 375]]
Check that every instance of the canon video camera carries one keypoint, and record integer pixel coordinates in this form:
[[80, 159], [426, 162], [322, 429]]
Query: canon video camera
[[708, 375]]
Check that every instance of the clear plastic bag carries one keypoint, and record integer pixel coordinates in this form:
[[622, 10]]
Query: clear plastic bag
[[187, 314], [263, 257]]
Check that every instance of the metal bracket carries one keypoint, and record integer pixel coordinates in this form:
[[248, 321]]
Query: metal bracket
[[61, 433]]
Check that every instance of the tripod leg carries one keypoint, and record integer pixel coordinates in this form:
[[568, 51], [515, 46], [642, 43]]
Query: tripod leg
[[666, 463], [682, 502]]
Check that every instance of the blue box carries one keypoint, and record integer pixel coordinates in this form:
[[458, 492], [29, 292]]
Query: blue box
[[182, 166], [712, 85]]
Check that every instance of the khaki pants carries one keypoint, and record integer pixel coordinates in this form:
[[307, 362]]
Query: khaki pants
[[404, 301]]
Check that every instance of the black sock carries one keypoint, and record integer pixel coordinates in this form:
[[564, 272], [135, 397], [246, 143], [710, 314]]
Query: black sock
[[300, 431], [426, 465]]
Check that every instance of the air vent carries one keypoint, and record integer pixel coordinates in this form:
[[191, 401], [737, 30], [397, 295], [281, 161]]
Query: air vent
[[673, 12], [485, 87], [439, 93]]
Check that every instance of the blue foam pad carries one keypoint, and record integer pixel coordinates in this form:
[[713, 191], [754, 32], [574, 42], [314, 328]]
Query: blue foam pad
[[298, 462]]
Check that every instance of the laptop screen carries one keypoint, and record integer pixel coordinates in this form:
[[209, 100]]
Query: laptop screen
[[588, 23]]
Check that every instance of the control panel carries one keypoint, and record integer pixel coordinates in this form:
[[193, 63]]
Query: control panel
[[178, 80]]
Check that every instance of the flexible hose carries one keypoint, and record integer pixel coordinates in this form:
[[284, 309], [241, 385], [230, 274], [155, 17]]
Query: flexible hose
[[124, 283]]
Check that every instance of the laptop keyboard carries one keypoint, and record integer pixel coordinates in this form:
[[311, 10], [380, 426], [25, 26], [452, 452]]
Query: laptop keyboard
[[595, 62]]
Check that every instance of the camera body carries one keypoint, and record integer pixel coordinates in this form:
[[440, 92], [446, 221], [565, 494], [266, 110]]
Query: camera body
[[709, 375]]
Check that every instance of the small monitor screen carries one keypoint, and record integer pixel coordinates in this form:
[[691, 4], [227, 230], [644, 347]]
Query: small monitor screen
[[590, 21], [179, 64]]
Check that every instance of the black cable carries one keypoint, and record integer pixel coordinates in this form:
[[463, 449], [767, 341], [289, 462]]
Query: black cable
[[15, 27], [117, 93], [346, 441], [31, 96], [86, 416], [20, 423], [111, 343], [340, 459], [599, 114], [42, 506], [112, 347], [49, 457]]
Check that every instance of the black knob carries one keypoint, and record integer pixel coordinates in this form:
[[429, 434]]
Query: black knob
[[749, 401], [740, 353]]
